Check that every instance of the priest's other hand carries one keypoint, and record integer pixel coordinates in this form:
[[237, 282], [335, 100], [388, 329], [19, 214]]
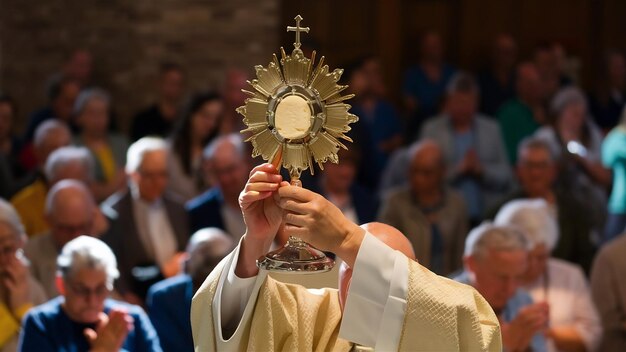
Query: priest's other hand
[[317, 221], [261, 214], [531, 319]]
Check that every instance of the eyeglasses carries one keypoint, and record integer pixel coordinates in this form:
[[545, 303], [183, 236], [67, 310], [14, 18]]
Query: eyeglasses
[[80, 290]]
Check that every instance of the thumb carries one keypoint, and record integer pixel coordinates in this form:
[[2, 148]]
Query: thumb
[[90, 334]]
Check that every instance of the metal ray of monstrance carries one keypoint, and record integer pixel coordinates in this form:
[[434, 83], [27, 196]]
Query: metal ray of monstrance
[[294, 115]]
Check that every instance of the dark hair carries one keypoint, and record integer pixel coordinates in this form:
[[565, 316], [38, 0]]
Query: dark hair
[[166, 67], [181, 141], [6, 99], [56, 85]]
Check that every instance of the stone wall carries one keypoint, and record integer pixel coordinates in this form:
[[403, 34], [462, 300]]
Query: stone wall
[[129, 39]]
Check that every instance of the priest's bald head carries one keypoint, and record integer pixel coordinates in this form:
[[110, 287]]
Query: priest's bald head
[[390, 236]]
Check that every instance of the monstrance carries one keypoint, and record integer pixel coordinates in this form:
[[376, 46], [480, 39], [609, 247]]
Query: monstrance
[[296, 114]]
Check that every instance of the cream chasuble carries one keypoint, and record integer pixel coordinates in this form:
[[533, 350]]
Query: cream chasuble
[[393, 304]]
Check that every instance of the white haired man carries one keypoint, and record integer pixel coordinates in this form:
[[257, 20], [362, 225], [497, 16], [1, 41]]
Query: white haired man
[[495, 260], [149, 228], [19, 291], [84, 318], [562, 285], [70, 211]]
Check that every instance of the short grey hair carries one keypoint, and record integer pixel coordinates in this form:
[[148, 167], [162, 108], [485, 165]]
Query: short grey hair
[[11, 218], [533, 142], [137, 151], [233, 139], [566, 97], [88, 95], [488, 237], [206, 248], [533, 218], [46, 128], [87, 252], [463, 82], [68, 184], [68, 155]]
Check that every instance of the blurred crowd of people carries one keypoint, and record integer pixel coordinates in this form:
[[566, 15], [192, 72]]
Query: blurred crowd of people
[[511, 179]]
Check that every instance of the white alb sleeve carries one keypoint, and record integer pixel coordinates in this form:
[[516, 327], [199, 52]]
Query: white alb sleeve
[[374, 312]]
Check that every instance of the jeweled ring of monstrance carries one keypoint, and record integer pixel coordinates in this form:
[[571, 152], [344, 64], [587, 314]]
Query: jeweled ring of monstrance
[[296, 114]]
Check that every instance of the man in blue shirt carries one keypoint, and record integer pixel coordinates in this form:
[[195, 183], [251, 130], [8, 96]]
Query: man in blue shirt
[[83, 318], [169, 301], [495, 259]]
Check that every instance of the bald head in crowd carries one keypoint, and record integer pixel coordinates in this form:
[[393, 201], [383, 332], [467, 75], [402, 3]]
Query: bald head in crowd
[[427, 168], [390, 236], [49, 136], [70, 211], [204, 251]]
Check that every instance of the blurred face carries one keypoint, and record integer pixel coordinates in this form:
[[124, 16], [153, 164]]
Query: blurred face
[[172, 85], [94, 119], [205, 120], [573, 117], [374, 74], [72, 171], [547, 62], [461, 106], [617, 71], [151, 178], [498, 275], [432, 48], [71, 217], [529, 84], [63, 105], [80, 66], [505, 51], [359, 84], [228, 170], [7, 116], [537, 261], [536, 171], [85, 292], [9, 244], [235, 82], [426, 172], [339, 177], [53, 141]]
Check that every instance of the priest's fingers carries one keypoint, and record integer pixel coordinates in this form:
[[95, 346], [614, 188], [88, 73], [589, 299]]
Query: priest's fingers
[[264, 176], [293, 206], [247, 198], [261, 187], [296, 219], [265, 167], [297, 193]]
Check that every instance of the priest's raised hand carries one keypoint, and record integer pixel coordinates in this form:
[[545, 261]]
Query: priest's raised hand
[[387, 300]]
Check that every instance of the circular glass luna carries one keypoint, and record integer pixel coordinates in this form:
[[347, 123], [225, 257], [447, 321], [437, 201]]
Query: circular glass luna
[[292, 118]]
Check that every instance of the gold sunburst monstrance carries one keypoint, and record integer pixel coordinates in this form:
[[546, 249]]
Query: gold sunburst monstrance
[[296, 112]]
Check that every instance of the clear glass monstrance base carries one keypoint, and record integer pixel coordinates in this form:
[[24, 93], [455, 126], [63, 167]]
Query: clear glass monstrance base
[[296, 115]]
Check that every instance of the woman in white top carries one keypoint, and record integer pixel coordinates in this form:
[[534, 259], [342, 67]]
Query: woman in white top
[[574, 321], [576, 142]]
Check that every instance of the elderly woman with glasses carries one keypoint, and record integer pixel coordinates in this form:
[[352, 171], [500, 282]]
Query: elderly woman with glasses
[[83, 318], [574, 324], [18, 290]]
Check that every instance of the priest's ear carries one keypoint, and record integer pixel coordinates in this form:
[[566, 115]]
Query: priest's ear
[[469, 263]]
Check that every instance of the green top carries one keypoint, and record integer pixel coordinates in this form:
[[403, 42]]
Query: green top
[[516, 122], [614, 157]]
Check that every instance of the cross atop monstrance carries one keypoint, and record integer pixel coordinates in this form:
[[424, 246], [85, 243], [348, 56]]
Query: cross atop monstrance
[[298, 29]]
